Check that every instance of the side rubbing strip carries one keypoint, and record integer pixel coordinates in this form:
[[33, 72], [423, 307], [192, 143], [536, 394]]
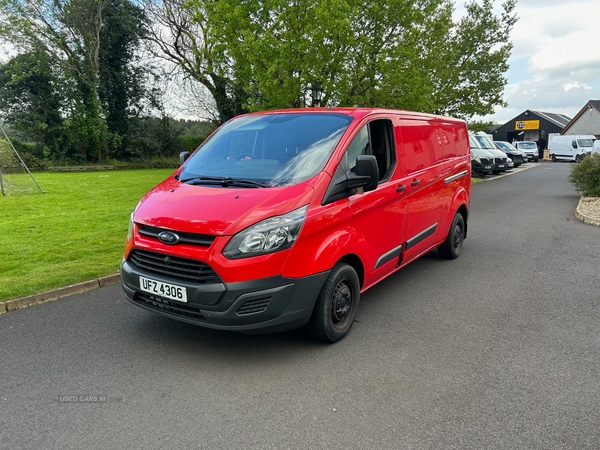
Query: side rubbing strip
[[387, 257], [421, 236], [455, 177]]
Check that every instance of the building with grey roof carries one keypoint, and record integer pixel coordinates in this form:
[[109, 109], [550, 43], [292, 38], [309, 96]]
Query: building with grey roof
[[586, 121], [532, 126]]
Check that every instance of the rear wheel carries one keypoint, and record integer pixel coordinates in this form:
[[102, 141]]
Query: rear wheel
[[452, 246], [337, 305], [553, 158]]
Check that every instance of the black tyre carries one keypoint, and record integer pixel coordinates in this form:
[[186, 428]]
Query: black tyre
[[452, 246], [579, 158], [553, 158], [336, 306]]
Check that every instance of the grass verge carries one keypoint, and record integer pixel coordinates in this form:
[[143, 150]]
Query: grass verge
[[75, 231]]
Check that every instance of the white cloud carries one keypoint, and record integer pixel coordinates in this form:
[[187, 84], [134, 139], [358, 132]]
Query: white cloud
[[555, 60]]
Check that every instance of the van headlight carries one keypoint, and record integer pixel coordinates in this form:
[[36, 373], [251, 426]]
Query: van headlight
[[269, 236], [475, 157]]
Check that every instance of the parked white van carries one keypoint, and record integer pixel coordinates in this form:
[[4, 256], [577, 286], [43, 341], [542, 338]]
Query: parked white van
[[596, 148], [571, 147]]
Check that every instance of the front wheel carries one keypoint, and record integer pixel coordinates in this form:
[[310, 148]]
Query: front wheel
[[452, 246], [553, 158], [579, 158], [336, 306]]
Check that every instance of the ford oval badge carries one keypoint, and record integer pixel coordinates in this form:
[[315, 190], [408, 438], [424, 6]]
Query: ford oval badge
[[168, 237]]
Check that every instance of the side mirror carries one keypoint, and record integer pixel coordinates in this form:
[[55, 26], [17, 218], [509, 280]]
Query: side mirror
[[574, 144], [344, 184], [368, 171], [183, 156]]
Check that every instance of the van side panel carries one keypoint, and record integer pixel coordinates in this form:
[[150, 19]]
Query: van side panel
[[423, 180]]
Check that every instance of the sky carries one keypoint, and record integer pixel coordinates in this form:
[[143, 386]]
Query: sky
[[555, 62]]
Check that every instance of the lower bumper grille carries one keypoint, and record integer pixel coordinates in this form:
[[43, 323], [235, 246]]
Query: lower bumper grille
[[164, 305], [254, 306]]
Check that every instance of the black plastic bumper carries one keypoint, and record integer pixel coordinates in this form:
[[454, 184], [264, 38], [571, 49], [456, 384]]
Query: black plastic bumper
[[478, 168], [258, 306]]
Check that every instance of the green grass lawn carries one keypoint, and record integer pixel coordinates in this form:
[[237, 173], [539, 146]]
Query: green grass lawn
[[75, 231]]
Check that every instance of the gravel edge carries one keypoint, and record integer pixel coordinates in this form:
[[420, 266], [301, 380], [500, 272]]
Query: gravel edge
[[588, 210]]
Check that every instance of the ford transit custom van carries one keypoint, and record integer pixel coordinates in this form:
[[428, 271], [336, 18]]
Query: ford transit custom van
[[281, 219]]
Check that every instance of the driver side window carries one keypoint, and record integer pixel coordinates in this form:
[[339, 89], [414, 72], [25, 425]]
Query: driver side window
[[358, 146], [375, 138]]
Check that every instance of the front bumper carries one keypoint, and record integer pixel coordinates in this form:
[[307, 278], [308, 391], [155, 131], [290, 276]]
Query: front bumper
[[257, 306], [480, 168]]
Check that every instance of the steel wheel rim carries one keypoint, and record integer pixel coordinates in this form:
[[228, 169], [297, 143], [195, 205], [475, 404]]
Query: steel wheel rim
[[458, 235], [342, 303]]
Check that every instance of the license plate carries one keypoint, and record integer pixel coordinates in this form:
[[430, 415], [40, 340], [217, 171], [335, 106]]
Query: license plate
[[166, 290], [500, 165], [487, 167]]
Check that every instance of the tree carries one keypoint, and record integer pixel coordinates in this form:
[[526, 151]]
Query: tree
[[93, 46], [182, 35], [478, 125], [393, 53], [122, 80], [29, 99]]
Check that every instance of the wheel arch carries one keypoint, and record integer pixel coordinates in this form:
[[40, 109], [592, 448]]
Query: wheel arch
[[464, 211], [356, 263]]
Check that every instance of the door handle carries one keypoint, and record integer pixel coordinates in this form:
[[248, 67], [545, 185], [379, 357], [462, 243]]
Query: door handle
[[401, 188], [415, 183]]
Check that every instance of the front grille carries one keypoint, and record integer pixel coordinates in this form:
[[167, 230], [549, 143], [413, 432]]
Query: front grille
[[500, 160], [486, 161], [164, 305], [173, 267], [254, 306], [204, 240]]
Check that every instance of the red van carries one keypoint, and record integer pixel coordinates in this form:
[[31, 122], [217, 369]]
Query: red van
[[282, 218]]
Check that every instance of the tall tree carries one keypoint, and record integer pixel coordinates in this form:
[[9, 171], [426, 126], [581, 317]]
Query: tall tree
[[184, 35], [393, 53], [122, 83], [93, 43], [29, 99]]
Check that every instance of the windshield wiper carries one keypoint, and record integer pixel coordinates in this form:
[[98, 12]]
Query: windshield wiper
[[225, 182]]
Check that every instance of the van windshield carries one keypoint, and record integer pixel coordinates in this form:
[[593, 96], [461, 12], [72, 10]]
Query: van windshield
[[270, 149], [485, 142], [528, 145], [473, 143], [585, 142]]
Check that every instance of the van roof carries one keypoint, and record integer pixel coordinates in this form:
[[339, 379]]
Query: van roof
[[357, 112]]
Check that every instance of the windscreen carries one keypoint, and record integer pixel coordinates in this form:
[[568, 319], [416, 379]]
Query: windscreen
[[505, 146], [473, 143], [528, 145], [272, 149], [585, 142], [484, 141]]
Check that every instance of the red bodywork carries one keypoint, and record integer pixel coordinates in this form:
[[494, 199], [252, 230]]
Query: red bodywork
[[359, 229]]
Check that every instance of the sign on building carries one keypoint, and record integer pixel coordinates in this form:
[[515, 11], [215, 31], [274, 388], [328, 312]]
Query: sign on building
[[527, 125]]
